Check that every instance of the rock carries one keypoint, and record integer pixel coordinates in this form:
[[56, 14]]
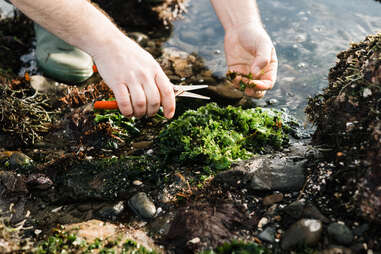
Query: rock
[[227, 90], [340, 233], [39, 181], [272, 199], [18, 159], [142, 205], [262, 222], [111, 210], [311, 211], [266, 172], [268, 235], [360, 230], [140, 38], [337, 250], [295, 209], [304, 231], [6, 10]]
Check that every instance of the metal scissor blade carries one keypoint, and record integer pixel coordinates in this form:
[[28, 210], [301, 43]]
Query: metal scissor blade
[[182, 91], [193, 95]]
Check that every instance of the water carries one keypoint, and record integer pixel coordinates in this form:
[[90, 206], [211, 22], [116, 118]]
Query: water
[[307, 35]]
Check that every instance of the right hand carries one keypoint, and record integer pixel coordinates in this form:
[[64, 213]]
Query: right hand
[[139, 84]]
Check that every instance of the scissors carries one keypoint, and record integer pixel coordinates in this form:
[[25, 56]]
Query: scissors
[[178, 89]]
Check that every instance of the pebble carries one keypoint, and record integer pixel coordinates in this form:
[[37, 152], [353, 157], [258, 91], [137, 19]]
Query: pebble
[[268, 235], [272, 199], [337, 250], [340, 233], [311, 211], [142, 205], [304, 231], [19, 159], [295, 209], [262, 222], [272, 102], [137, 182], [111, 211]]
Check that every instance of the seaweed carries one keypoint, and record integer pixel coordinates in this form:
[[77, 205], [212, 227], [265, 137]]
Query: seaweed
[[216, 137]]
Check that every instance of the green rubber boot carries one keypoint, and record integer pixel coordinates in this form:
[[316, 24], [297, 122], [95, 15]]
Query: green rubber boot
[[59, 60]]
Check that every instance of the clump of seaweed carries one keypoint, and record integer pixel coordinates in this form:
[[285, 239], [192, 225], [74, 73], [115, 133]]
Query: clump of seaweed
[[348, 118], [25, 114], [65, 242], [218, 136]]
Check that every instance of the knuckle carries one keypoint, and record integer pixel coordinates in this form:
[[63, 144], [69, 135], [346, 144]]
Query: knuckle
[[140, 105]]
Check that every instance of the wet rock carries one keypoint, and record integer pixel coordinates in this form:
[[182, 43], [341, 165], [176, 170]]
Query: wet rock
[[295, 209], [142, 205], [140, 38], [311, 211], [227, 90], [360, 230], [268, 235], [111, 210], [18, 159], [304, 231], [267, 172], [213, 224], [272, 199], [340, 233]]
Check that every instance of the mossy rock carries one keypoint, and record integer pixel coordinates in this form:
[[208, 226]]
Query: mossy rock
[[216, 137], [348, 118]]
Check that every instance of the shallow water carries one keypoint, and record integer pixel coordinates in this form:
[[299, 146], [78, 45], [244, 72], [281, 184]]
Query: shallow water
[[307, 35]]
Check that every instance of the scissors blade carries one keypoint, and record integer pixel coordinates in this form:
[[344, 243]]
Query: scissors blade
[[193, 95], [182, 91]]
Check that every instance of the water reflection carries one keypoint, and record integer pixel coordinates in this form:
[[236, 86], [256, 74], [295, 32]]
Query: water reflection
[[307, 34]]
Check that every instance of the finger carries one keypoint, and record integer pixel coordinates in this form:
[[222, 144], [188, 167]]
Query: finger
[[262, 57], [255, 93], [138, 98], [122, 97], [153, 97], [167, 94], [267, 80]]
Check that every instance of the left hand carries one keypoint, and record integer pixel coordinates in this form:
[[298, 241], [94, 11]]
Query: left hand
[[249, 49]]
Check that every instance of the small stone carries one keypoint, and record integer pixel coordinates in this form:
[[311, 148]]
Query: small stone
[[137, 182], [18, 159], [194, 240], [303, 232], [360, 230], [367, 92], [267, 235], [262, 222], [340, 233], [142, 205], [272, 102], [311, 211], [272, 199], [111, 211]]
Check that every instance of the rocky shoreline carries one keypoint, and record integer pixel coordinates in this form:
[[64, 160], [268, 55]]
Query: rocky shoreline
[[78, 183]]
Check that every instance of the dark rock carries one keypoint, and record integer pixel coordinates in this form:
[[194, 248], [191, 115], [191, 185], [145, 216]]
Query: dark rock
[[212, 224], [142, 205], [311, 211], [360, 230], [304, 231], [268, 235], [266, 172], [295, 209], [340, 233]]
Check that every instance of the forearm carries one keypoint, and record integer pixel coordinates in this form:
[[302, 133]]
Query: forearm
[[234, 13], [77, 22]]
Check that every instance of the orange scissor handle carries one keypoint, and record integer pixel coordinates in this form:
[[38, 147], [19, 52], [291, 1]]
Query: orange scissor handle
[[105, 105]]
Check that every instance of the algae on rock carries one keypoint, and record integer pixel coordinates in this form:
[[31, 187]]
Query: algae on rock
[[348, 118], [216, 136]]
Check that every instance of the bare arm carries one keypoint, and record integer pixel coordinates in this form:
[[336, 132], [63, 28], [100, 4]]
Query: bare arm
[[248, 48], [139, 84]]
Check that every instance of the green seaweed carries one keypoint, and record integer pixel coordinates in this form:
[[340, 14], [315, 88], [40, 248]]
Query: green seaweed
[[216, 137], [64, 242], [238, 247]]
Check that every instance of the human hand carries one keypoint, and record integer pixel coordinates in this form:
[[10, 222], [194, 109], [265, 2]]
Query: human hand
[[248, 49], [139, 84]]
